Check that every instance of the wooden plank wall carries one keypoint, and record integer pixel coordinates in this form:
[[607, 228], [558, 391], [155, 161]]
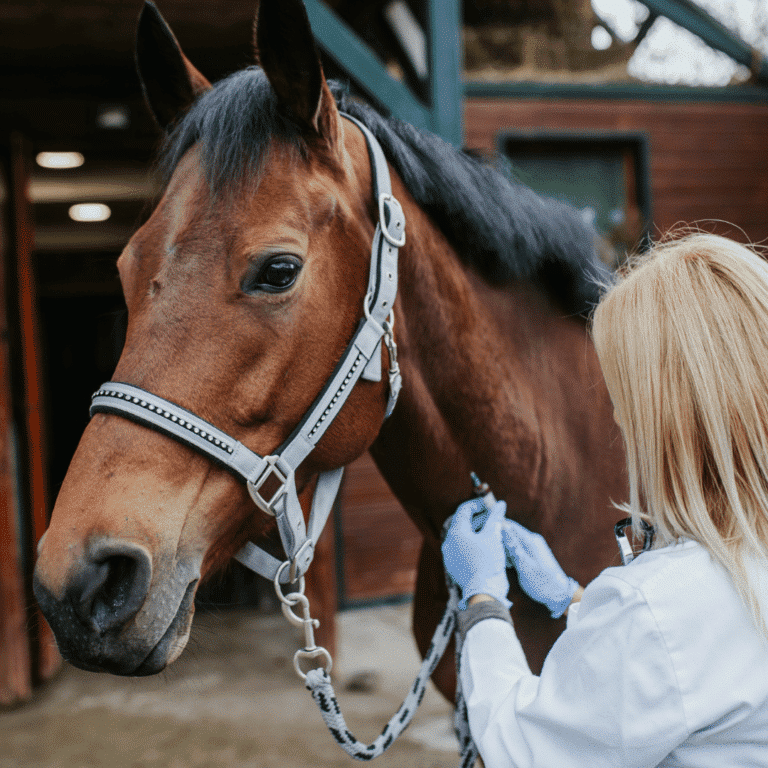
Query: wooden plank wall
[[379, 543], [708, 160]]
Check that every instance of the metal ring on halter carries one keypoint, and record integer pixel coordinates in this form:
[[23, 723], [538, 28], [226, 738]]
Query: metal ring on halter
[[393, 240], [276, 581], [387, 327], [311, 653]]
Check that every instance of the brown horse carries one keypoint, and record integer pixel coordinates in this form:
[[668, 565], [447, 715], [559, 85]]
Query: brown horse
[[243, 290]]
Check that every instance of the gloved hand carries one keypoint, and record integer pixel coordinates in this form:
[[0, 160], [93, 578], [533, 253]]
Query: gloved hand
[[539, 573], [475, 560]]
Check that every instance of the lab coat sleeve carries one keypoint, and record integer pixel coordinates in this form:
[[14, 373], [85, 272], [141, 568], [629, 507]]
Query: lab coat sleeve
[[607, 694]]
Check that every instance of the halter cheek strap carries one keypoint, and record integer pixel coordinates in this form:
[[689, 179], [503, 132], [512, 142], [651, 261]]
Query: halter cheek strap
[[275, 474]]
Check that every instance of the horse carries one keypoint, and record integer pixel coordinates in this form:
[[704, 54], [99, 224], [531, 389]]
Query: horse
[[243, 289]]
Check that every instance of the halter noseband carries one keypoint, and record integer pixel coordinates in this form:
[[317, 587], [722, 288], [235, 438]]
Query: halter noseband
[[361, 359]]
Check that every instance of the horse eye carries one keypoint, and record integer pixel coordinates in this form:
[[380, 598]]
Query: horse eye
[[276, 275]]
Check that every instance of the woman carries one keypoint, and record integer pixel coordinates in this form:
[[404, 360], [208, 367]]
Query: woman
[[664, 661]]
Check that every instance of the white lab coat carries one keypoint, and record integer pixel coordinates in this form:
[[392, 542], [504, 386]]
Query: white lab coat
[[661, 665]]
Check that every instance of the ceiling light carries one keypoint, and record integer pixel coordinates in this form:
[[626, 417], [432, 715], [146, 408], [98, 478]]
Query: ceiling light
[[89, 212], [60, 160], [113, 118]]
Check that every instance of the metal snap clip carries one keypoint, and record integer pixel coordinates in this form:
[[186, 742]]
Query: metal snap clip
[[305, 621]]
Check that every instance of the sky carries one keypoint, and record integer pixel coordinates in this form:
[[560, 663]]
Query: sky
[[670, 54]]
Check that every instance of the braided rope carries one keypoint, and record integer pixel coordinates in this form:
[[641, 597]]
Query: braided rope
[[318, 682], [467, 747]]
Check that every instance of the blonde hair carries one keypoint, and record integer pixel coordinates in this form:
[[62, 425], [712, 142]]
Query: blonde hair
[[682, 339]]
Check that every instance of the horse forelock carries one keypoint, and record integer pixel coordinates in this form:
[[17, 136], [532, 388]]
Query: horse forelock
[[236, 123], [498, 226]]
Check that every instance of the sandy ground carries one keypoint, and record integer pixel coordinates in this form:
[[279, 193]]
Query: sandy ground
[[233, 700]]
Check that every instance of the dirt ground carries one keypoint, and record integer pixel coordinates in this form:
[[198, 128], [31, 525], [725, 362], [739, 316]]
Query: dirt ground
[[233, 700]]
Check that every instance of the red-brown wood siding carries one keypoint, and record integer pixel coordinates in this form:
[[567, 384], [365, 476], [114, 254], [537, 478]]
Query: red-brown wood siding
[[15, 662], [708, 160], [47, 656], [380, 543], [28, 652], [322, 591]]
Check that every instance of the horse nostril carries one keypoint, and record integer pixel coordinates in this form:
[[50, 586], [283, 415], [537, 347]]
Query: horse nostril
[[112, 586], [115, 591]]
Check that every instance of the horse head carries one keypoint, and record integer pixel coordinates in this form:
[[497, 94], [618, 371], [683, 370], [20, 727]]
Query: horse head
[[243, 289]]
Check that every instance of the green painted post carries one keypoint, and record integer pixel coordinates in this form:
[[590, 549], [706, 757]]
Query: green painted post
[[443, 115], [361, 63], [445, 69]]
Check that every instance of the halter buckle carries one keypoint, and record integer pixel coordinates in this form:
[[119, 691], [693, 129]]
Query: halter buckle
[[396, 217], [271, 469], [301, 560]]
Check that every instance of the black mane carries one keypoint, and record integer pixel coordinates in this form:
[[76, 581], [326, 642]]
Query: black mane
[[498, 226]]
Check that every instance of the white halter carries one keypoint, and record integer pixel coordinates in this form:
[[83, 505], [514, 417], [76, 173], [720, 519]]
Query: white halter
[[362, 358]]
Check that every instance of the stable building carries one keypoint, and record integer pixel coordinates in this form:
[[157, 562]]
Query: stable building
[[516, 79]]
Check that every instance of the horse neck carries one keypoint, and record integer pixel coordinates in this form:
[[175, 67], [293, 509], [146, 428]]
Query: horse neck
[[471, 358]]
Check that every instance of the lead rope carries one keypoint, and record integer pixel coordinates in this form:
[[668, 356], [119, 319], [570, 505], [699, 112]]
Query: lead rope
[[318, 681]]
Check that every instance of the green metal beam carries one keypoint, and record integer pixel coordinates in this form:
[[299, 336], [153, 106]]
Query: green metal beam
[[690, 16], [361, 63]]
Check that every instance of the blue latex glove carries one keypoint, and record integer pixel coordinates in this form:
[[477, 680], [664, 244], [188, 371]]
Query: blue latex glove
[[475, 559], [539, 573]]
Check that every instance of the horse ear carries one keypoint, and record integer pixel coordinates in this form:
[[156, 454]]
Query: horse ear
[[169, 80], [285, 49]]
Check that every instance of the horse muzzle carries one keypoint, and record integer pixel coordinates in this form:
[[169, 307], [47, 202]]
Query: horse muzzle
[[110, 617]]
